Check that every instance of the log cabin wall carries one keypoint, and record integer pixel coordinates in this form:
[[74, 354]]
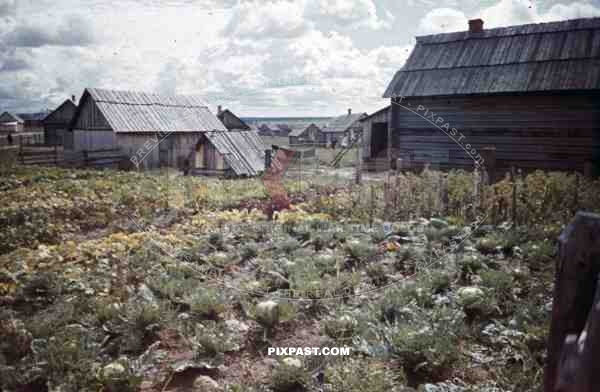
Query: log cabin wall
[[530, 131]]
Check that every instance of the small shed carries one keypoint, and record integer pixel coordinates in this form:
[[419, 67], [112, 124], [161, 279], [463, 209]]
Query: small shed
[[156, 130], [531, 93], [339, 127], [231, 121], [375, 134], [304, 135], [56, 124], [11, 123]]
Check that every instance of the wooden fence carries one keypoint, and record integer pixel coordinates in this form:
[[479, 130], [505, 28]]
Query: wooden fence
[[574, 342], [56, 156]]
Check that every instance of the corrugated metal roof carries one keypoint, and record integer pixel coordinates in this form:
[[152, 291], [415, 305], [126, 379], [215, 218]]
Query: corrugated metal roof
[[342, 123], [130, 111], [535, 57], [243, 151]]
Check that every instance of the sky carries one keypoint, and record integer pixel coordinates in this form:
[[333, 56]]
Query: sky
[[257, 58]]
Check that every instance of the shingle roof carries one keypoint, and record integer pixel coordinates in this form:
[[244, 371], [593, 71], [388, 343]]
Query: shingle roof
[[534, 57], [342, 123], [244, 151], [130, 111], [8, 117]]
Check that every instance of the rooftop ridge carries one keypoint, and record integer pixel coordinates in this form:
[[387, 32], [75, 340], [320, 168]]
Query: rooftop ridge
[[578, 24]]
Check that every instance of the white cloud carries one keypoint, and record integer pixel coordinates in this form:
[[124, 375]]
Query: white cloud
[[277, 19], [72, 31], [503, 13], [443, 20], [353, 13], [509, 12], [571, 11]]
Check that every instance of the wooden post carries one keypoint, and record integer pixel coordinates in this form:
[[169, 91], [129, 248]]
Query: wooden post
[[267, 159], [513, 180], [358, 160], [574, 338], [588, 169], [489, 162]]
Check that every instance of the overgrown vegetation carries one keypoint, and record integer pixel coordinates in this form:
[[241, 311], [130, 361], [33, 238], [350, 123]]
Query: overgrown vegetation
[[114, 281]]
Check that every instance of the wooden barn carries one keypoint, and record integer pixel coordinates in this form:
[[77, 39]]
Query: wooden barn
[[155, 131], [345, 125], [231, 121], [56, 124], [529, 93], [306, 135], [11, 123]]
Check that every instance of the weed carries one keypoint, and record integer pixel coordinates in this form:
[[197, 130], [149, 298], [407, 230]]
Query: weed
[[358, 375]]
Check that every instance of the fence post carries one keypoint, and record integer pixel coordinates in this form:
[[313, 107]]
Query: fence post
[[489, 161], [513, 180], [267, 159], [358, 161], [574, 338]]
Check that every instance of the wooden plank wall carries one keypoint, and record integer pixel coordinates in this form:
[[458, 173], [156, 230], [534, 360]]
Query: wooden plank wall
[[90, 117], [549, 132], [367, 124]]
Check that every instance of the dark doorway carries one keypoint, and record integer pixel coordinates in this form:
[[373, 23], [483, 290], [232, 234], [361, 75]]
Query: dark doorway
[[379, 133]]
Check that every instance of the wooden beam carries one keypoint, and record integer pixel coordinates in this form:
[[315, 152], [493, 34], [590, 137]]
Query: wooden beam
[[575, 327]]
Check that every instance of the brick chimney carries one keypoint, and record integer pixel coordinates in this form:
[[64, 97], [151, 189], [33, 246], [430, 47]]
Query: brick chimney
[[476, 26], [349, 112], [73, 98], [219, 109]]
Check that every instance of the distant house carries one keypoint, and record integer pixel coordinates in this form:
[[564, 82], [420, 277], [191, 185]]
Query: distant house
[[155, 131], [11, 123], [265, 130], [56, 124], [530, 93], [346, 125], [309, 134], [282, 130], [231, 121], [33, 121]]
